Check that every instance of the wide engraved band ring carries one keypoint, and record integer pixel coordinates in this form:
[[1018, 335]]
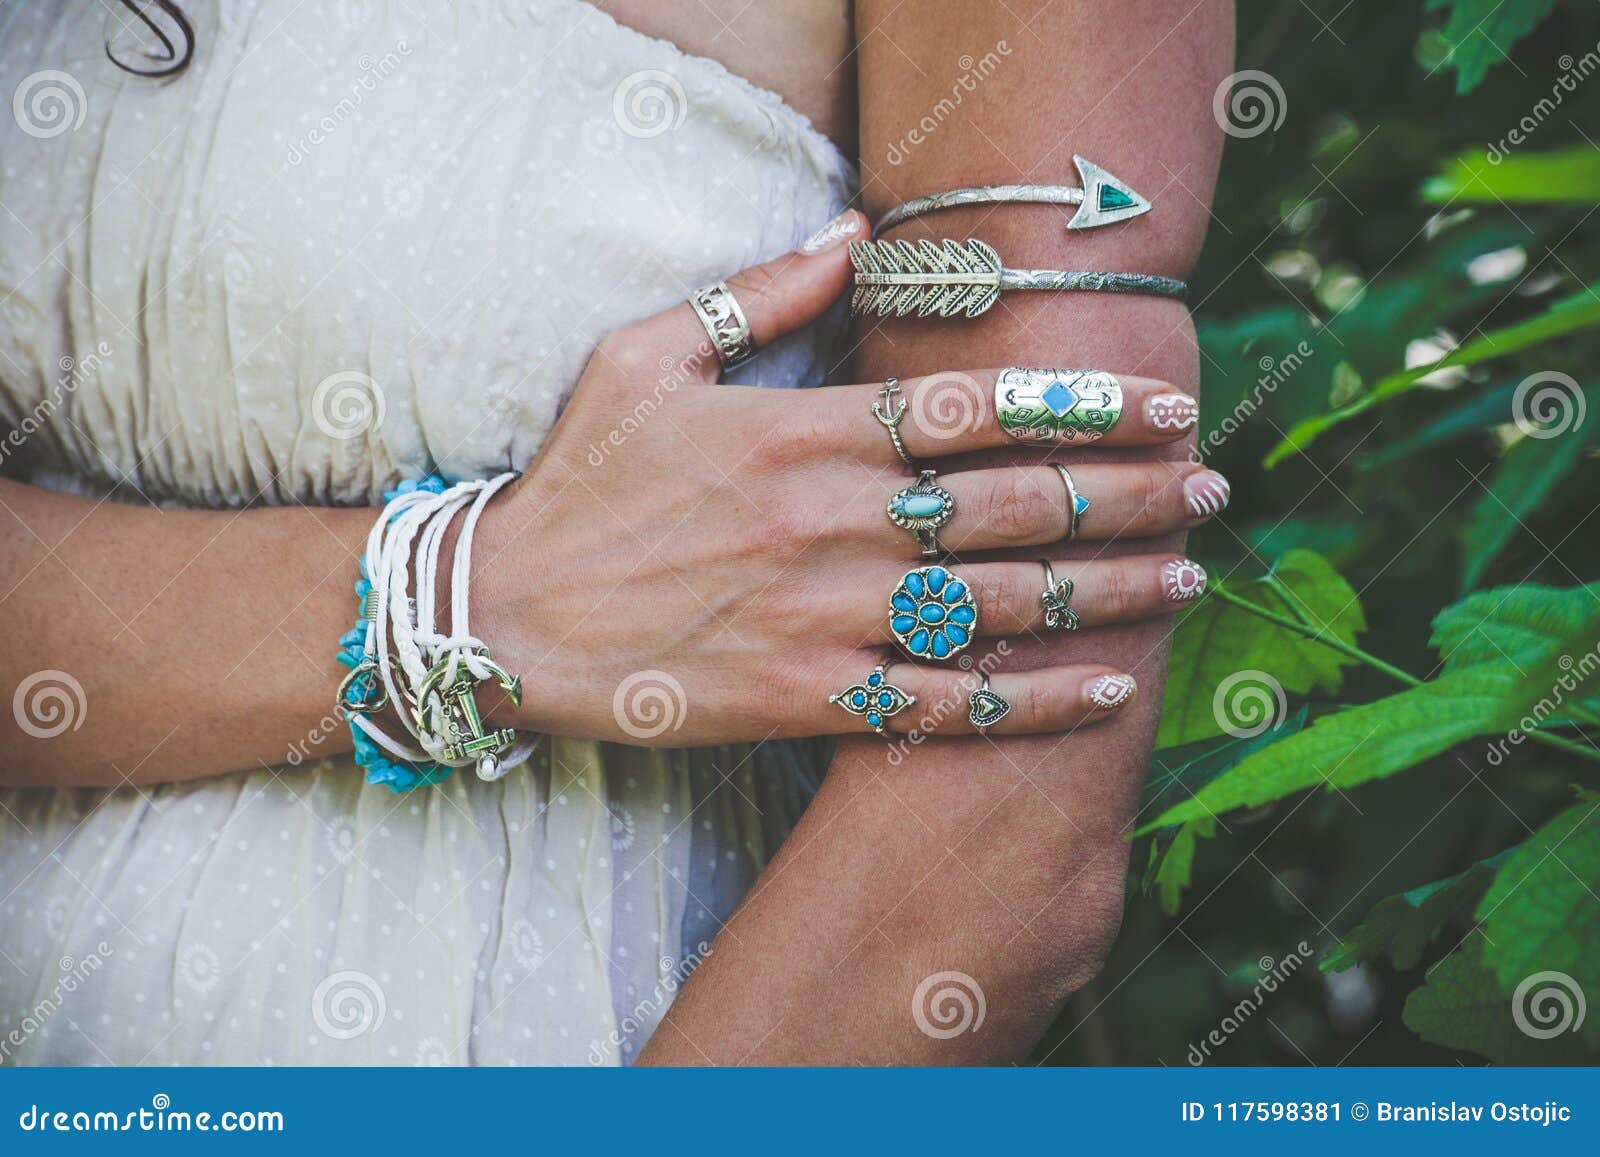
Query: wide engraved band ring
[[726, 324]]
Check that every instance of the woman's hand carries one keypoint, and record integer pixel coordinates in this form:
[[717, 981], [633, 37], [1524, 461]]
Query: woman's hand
[[692, 563]]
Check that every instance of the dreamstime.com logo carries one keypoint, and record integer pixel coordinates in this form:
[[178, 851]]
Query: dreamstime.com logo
[[1548, 405], [347, 404], [948, 1004], [348, 1004], [1274, 975], [1248, 703], [49, 103], [948, 405], [160, 1117], [49, 703], [1548, 1004], [75, 973], [649, 703], [1249, 103], [649, 103]]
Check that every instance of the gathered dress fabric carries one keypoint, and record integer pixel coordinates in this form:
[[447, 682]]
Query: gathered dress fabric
[[355, 242]]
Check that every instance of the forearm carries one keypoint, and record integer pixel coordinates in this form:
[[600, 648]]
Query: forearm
[[1002, 860], [202, 640]]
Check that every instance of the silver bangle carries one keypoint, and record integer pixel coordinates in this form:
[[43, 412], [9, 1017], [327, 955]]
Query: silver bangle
[[896, 278], [1102, 199]]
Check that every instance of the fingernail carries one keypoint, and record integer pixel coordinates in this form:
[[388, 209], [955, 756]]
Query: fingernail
[[1111, 691], [1182, 579], [1171, 411], [841, 228], [1205, 492]]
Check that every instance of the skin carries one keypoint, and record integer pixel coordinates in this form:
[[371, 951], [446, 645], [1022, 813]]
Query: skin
[[935, 862], [1002, 859]]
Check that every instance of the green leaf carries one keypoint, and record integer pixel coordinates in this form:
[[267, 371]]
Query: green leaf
[[1567, 175], [1540, 913], [1461, 1007], [1527, 473], [1216, 641], [1405, 924], [1170, 867], [1481, 33], [1372, 741], [1569, 315]]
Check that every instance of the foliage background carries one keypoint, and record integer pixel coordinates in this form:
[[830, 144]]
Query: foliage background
[[1375, 225]]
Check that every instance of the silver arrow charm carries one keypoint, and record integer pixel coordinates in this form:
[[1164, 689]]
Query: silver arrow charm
[[1102, 199]]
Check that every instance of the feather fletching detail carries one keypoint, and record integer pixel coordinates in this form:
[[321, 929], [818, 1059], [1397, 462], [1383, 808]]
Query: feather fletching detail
[[895, 278]]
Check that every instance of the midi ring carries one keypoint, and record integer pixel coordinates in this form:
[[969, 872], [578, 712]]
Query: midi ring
[[932, 613], [1076, 502], [1057, 600], [922, 508], [889, 411], [1057, 405], [986, 707], [876, 699], [726, 324]]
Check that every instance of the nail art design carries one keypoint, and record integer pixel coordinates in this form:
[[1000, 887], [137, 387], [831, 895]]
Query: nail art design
[[1111, 691], [1172, 411], [1206, 493], [846, 224], [1182, 579]]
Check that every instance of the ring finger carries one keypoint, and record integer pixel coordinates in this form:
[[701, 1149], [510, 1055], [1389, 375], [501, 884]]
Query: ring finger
[[934, 611]]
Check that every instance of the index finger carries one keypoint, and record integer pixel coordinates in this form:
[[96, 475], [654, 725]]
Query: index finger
[[957, 411]]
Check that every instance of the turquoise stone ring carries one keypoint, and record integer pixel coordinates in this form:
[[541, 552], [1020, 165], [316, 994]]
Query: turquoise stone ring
[[932, 613], [922, 508], [876, 699]]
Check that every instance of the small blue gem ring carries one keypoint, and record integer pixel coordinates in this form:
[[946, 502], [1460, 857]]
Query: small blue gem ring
[[932, 613], [875, 699]]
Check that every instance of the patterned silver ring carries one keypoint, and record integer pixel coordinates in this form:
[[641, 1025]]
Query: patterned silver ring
[[726, 324], [1057, 600], [889, 410], [874, 698], [986, 707]]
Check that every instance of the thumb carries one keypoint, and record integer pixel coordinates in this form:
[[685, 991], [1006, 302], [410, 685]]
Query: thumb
[[777, 296]]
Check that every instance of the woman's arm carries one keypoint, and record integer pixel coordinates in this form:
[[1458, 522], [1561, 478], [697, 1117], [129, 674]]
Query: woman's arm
[[1003, 861], [146, 645]]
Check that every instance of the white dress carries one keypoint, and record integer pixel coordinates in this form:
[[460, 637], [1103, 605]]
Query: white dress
[[444, 205]]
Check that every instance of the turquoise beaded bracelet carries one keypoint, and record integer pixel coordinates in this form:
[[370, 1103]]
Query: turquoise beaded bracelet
[[396, 775]]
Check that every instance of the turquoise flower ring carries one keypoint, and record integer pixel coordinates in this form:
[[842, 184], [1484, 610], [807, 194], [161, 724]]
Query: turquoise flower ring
[[932, 613], [875, 699], [922, 508]]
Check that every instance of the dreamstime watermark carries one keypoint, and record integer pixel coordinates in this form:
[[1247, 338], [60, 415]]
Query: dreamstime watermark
[[648, 103], [1548, 405], [1573, 73], [49, 103], [348, 1004], [74, 373], [1248, 703], [1274, 973], [1274, 373], [973, 73], [1575, 673], [675, 372], [160, 1117], [347, 405], [49, 703], [372, 72], [948, 405], [947, 1004], [645, 1013], [1547, 1004], [936, 711], [649, 703], [74, 973], [1249, 103]]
